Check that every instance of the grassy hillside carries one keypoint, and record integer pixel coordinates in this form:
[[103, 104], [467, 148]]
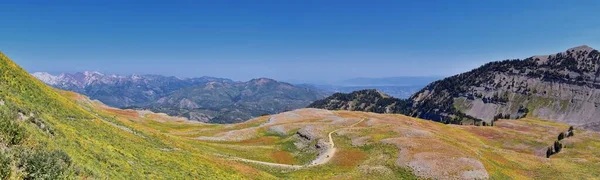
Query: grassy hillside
[[388, 146], [44, 130], [51, 134]]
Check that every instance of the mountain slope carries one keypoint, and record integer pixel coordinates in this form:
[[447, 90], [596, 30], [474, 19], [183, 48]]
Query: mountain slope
[[52, 134], [221, 102], [562, 87], [364, 100]]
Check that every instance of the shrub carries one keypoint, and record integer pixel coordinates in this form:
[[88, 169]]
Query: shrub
[[45, 164], [5, 169], [11, 132]]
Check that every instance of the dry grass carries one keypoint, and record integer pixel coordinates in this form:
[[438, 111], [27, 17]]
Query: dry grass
[[387, 144], [282, 157], [349, 158]]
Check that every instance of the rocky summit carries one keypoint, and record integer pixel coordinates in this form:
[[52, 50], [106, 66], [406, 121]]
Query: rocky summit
[[563, 87]]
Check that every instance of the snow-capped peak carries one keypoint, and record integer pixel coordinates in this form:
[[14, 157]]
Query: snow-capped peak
[[92, 73], [47, 78], [136, 77]]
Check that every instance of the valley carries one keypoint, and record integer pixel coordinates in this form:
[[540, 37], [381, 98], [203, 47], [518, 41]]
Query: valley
[[289, 145], [98, 141]]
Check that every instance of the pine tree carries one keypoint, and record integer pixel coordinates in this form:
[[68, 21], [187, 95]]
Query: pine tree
[[572, 133], [561, 136], [549, 152], [557, 146]]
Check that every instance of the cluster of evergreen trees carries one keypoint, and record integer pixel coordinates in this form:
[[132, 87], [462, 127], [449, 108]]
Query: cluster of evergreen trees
[[374, 101], [557, 146]]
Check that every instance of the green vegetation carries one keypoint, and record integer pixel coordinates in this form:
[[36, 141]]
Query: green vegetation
[[47, 134], [561, 136], [373, 101], [11, 132], [42, 164], [5, 166], [557, 146], [549, 152]]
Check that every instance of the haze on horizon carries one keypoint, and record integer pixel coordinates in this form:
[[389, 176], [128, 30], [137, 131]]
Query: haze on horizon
[[308, 41]]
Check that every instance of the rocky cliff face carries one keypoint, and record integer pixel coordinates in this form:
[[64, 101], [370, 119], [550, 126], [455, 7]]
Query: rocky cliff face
[[562, 87]]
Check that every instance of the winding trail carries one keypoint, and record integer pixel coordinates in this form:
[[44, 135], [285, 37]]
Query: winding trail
[[321, 158]]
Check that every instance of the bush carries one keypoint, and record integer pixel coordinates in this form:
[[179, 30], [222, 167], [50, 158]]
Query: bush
[[5, 169], [11, 132], [46, 165]]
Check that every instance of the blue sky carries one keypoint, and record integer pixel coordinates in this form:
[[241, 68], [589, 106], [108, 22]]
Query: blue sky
[[303, 41]]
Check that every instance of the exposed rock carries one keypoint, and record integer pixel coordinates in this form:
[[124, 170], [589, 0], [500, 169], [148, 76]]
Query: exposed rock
[[199, 117], [561, 87], [187, 104], [430, 158]]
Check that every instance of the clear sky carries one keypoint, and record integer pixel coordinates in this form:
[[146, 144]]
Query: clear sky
[[303, 40]]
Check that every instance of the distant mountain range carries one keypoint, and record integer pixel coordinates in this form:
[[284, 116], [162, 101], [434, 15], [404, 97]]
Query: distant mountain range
[[399, 87], [395, 91], [402, 81], [216, 100], [206, 99]]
